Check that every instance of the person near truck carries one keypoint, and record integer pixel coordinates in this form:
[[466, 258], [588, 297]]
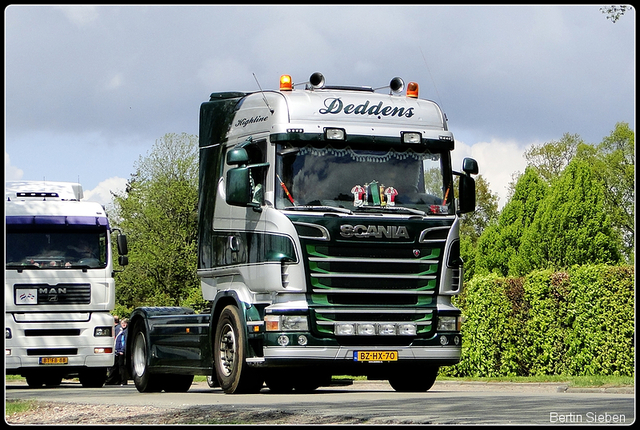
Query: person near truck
[[121, 342]]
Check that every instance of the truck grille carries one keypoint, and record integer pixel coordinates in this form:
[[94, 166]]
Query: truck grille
[[59, 294], [371, 285]]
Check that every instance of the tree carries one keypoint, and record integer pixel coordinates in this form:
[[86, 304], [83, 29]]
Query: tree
[[550, 158], [614, 12], [616, 168], [499, 245], [572, 225], [158, 212]]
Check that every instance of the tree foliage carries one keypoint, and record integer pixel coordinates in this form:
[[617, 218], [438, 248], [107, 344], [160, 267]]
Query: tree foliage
[[158, 212], [499, 247], [550, 158]]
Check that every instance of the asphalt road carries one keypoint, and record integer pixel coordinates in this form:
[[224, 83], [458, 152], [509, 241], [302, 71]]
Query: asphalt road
[[376, 402]]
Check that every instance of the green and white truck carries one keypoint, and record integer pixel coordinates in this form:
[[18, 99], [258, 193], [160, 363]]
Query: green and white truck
[[328, 244]]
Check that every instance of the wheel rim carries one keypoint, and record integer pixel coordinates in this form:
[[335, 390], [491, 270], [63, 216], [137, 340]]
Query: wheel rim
[[139, 355], [227, 350]]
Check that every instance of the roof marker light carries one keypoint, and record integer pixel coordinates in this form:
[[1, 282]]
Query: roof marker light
[[285, 83], [412, 90]]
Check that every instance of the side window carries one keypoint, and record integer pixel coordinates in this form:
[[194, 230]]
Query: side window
[[257, 152]]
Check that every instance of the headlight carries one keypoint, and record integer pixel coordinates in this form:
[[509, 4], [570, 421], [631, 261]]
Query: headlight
[[286, 323], [449, 323], [102, 331]]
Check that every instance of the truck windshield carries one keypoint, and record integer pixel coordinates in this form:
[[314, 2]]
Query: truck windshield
[[49, 247], [381, 180]]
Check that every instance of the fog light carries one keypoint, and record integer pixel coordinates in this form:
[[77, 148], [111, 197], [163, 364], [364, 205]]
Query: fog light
[[366, 329], [386, 329], [344, 329], [456, 340], [406, 329], [283, 340], [444, 340], [302, 340], [103, 350]]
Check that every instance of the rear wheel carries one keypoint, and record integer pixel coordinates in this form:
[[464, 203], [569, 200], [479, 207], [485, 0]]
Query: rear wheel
[[229, 355], [415, 380], [144, 381]]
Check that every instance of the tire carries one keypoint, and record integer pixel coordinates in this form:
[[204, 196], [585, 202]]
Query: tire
[[212, 382], [144, 381], [229, 354], [416, 380], [177, 383], [34, 381], [93, 378], [37, 380]]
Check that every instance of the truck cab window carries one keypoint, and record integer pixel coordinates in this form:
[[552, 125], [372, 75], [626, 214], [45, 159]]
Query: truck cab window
[[354, 178]]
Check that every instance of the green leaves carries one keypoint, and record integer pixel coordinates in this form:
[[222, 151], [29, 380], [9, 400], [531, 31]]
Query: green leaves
[[159, 214], [576, 322]]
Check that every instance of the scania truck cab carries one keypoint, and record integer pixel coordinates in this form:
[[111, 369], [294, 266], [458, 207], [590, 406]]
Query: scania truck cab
[[328, 244], [59, 284]]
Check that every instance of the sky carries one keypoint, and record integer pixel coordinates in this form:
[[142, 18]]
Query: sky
[[89, 89]]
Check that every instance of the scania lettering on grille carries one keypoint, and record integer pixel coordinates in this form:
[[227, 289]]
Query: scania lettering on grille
[[377, 231]]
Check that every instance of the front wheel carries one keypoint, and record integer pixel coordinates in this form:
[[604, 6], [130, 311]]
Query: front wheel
[[414, 380], [229, 354], [144, 381]]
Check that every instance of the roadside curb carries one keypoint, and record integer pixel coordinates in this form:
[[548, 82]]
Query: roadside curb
[[509, 386]]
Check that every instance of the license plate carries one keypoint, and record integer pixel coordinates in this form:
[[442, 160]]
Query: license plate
[[54, 360], [375, 355]]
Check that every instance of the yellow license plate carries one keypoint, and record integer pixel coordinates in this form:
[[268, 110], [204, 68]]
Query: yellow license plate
[[54, 360], [375, 355]]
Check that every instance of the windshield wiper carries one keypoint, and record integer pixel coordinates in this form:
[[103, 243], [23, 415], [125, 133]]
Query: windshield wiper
[[320, 208], [391, 209]]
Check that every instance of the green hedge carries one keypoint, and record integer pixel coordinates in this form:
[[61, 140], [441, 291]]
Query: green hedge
[[579, 322]]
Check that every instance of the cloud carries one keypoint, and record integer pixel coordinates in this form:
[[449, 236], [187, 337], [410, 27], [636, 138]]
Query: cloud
[[11, 173], [102, 193], [497, 160]]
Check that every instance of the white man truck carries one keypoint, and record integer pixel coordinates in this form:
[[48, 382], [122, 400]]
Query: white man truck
[[59, 284], [328, 244]]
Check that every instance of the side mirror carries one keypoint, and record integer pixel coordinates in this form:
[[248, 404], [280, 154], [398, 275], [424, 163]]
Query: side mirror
[[467, 192], [237, 156], [123, 248], [470, 166], [238, 187]]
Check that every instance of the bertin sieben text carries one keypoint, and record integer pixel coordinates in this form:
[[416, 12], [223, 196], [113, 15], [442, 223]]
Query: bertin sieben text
[[589, 417]]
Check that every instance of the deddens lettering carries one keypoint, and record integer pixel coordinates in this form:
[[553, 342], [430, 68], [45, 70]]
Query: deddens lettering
[[335, 106]]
